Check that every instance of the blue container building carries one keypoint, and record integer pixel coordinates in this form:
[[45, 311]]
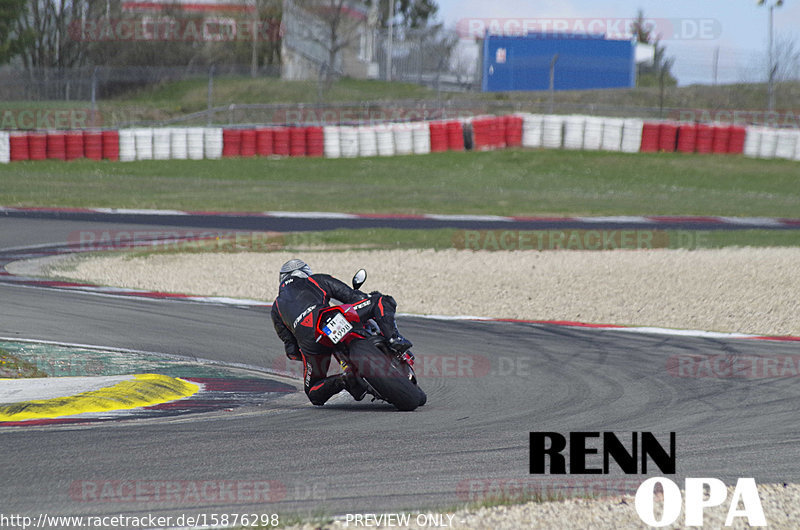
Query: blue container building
[[584, 62]]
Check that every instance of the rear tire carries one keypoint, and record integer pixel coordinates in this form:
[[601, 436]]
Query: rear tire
[[385, 375], [423, 397]]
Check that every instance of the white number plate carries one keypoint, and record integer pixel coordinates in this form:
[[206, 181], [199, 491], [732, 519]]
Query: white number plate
[[337, 328]]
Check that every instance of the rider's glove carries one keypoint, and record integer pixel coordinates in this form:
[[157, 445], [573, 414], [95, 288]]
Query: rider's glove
[[293, 353]]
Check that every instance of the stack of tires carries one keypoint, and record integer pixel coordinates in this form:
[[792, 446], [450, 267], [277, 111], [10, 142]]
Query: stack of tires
[[421, 138], [403, 139], [179, 143], [704, 143], [297, 141], [632, 133], [143, 139], [348, 142], [111, 145], [162, 144], [18, 147], [264, 141], [438, 131], [213, 142], [5, 149], [195, 143], [56, 145], [455, 135], [384, 137], [552, 131], [613, 135], [513, 130], [593, 133], [127, 145], [93, 145], [247, 143], [650, 141], [231, 142], [332, 146], [315, 141], [37, 146], [367, 141], [573, 132], [532, 125], [281, 141]]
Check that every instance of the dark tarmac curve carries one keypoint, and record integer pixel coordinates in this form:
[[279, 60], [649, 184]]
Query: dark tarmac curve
[[357, 457]]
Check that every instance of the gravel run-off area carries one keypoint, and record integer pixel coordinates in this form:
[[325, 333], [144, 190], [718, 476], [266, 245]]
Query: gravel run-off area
[[745, 290]]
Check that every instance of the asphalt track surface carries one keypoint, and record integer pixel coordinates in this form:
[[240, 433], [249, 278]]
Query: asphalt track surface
[[359, 457]]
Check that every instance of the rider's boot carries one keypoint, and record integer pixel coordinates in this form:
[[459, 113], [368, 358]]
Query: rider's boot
[[399, 343], [388, 325], [353, 385], [389, 329]]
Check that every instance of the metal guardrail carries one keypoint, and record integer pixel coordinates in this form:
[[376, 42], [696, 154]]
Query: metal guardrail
[[371, 112], [84, 83]]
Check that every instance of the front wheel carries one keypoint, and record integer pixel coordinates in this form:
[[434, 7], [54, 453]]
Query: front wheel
[[384, 373]]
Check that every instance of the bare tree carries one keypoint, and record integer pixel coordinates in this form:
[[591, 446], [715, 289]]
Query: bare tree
[[659, 73], [333, 25], [11, 40], [787, 58], [464, 64], [411, 13], [48, 24]]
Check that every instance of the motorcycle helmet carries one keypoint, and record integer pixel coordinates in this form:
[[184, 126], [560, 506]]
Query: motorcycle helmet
[[294, 267]]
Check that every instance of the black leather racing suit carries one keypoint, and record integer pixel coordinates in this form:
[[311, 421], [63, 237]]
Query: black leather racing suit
[[294, 314]]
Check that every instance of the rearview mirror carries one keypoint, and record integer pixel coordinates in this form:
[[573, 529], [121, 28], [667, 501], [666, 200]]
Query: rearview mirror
[[359, 278]]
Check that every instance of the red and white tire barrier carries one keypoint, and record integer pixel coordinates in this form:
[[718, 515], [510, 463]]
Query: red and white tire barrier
[[480, 133]]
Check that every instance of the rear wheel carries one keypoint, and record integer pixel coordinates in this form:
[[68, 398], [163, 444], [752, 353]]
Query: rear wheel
[[423, 397], [385, 374]]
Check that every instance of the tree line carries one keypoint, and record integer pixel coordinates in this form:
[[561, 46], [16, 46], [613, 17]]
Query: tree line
[[72, 33]]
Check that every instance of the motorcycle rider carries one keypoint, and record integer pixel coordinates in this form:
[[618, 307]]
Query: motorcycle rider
[[301, 295]]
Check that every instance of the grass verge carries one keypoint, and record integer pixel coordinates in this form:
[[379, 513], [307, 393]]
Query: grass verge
[[162, 101], [494, 240], [507, 182]]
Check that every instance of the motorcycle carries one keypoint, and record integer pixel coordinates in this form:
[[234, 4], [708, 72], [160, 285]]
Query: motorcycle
[[387, 375]]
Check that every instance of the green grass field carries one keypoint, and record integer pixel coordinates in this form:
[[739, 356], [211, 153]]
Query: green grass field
[[507, 182], [446, 238], [170, 100]]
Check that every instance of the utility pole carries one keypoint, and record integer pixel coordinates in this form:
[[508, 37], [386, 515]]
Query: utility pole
[[771, 66], [389, 44], [552, 79], [771, 80], [254, 36], [716, 64], [210, 94]]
